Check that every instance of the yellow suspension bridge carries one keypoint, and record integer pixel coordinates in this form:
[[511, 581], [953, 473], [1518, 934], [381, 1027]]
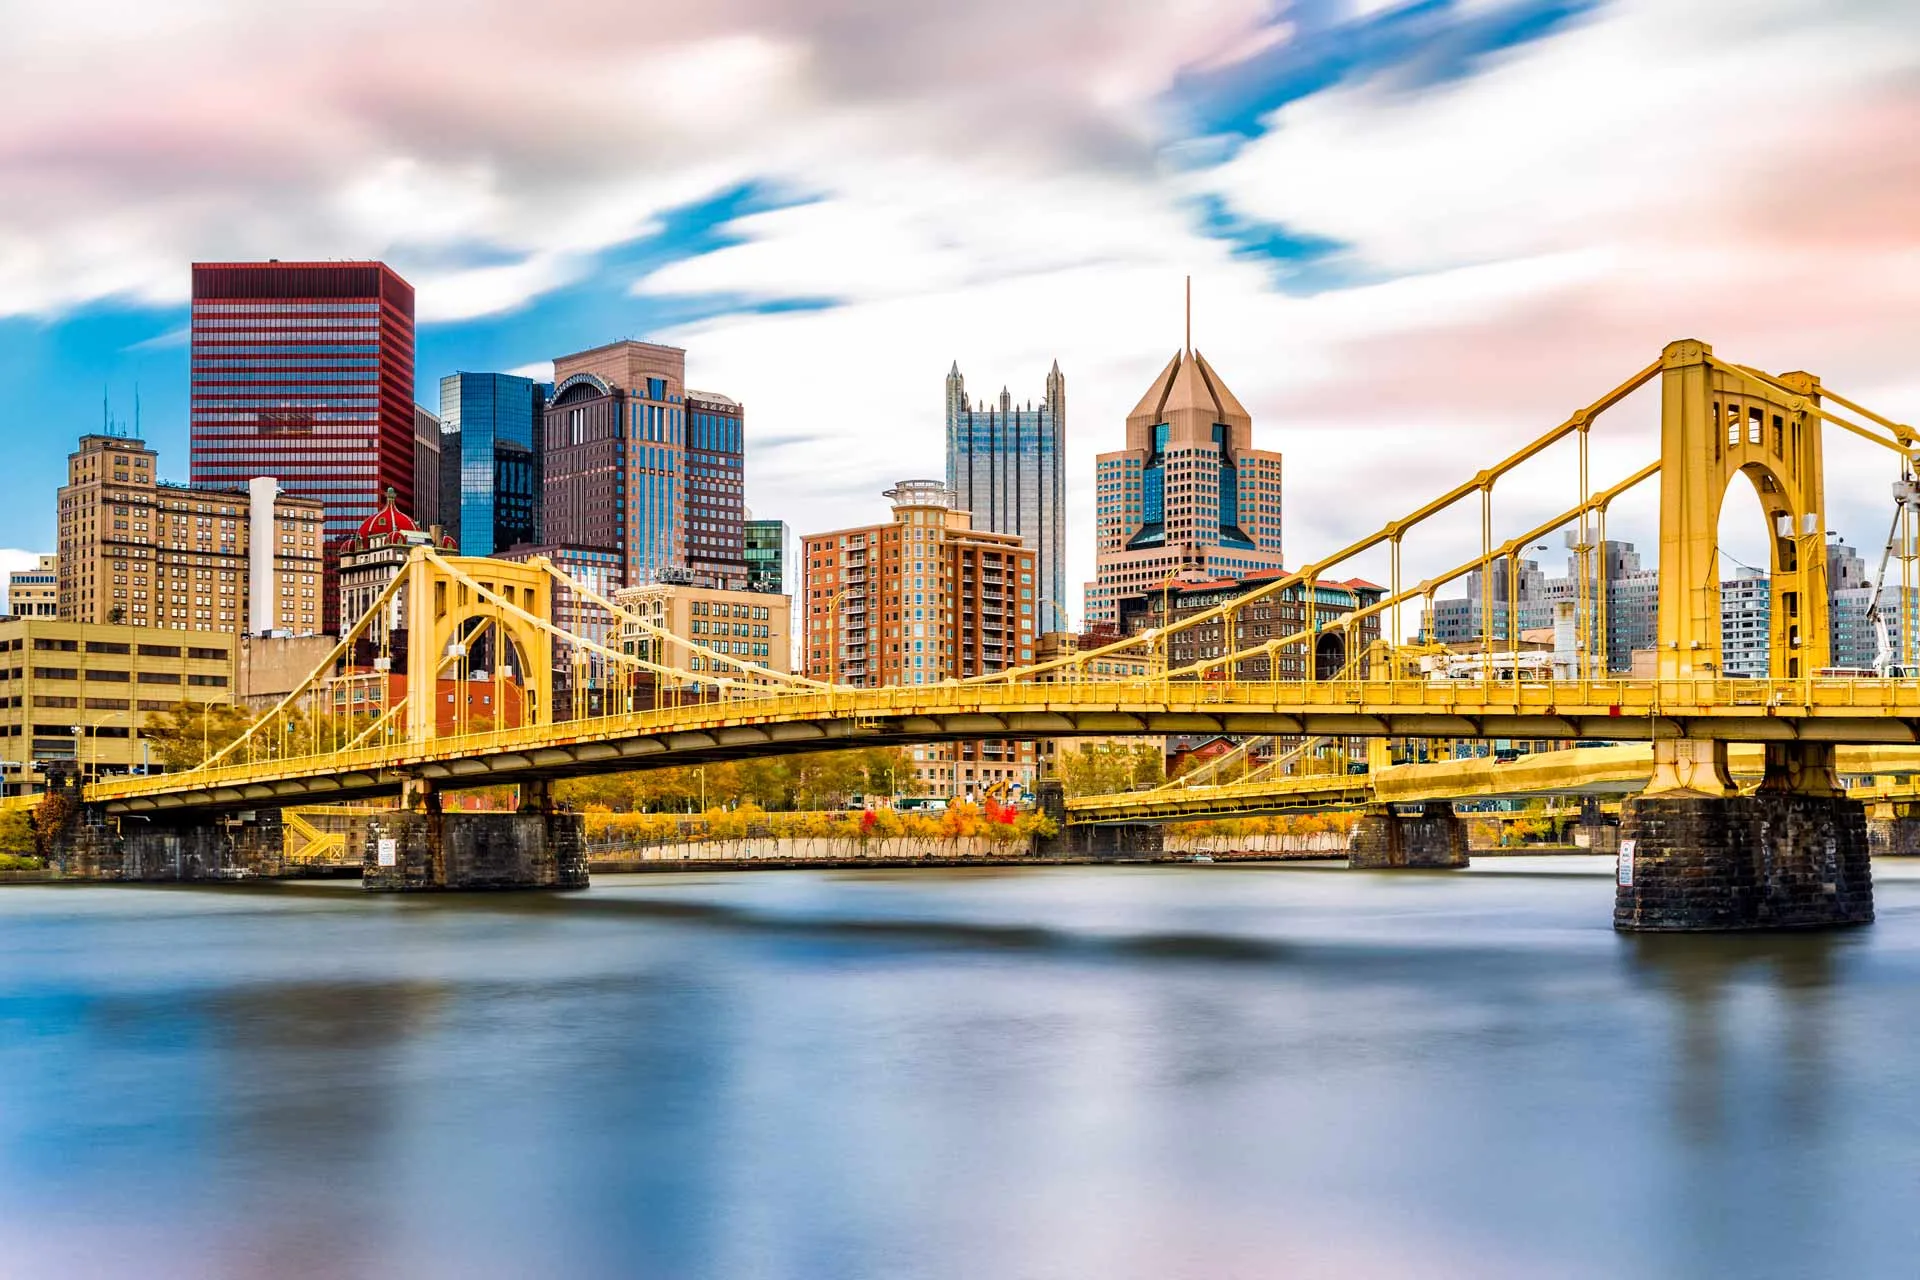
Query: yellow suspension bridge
[[444, 612], [351, 731]]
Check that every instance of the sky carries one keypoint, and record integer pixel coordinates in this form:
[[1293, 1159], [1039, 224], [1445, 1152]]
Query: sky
[[1419, 233]]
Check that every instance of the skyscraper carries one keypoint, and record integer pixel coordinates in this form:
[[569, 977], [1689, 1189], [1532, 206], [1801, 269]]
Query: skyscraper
[[492, 426], [1005, 464], [615, 455], [303, 371], [1188, 498], [636, 463]]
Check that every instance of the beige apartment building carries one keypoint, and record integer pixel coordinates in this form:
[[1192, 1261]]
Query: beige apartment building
[[79, 692], [35, 592], [752, 626], [923, 598], [138, 551]]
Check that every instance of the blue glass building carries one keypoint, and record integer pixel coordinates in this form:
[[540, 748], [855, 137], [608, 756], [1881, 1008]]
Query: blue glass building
[[491, 428]]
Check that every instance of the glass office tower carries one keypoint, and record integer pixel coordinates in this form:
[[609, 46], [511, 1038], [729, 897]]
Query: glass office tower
[[491, 433], [303, 371], [766, 552], [1005, 464]]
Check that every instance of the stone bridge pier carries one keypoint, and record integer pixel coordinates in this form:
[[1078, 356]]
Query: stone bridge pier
[[90, 845], [420, 846], [1119, 841], [1893, 830], [1383, 839], [1697, 857]]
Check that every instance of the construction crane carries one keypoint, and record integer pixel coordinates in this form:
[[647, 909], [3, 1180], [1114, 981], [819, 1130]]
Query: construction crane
[[1905, 492]]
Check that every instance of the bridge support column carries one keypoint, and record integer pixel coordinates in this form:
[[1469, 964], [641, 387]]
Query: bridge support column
[[1893, 830], [1119, 841], [1793, 855], [425, 848], [1593, 832], [240, 847], [1383, 840]]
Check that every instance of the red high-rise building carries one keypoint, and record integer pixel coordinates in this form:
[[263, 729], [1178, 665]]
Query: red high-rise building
[[303, 371]]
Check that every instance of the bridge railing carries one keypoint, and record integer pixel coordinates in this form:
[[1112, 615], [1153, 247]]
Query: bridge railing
[[1387, 698]]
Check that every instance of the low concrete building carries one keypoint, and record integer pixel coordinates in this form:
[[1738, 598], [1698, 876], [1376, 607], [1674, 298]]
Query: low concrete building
[[268, 668], [79, 693], [35, 592], [752, 626]]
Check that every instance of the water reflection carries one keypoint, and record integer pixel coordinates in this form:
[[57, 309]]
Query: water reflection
[[1152, 1072]]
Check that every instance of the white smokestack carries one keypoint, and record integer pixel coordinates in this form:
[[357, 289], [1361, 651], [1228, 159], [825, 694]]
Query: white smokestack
[[262, 582]]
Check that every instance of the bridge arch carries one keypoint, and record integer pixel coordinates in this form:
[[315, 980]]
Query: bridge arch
[[446, 612], [1719, 421], [1329, 655]]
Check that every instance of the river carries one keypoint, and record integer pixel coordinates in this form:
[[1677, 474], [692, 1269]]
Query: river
[[1158, 1072]]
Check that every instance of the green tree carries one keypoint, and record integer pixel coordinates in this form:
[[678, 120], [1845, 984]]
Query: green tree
[[187, 734], [16, 834]]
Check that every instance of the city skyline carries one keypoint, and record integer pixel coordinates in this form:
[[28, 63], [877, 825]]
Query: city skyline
[[780, 243]]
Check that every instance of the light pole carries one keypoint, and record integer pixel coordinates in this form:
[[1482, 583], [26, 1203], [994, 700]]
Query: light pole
[[81, 731]]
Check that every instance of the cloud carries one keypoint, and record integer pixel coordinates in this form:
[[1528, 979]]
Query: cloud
[[1489, 212], [358, 130]]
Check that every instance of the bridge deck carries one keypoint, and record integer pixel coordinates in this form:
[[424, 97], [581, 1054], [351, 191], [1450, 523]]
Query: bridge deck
[[1840, 711], [1610, 771]]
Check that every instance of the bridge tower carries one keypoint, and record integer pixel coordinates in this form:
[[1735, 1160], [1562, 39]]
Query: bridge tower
[[1694, 853], [1716, 424], [420, 845]]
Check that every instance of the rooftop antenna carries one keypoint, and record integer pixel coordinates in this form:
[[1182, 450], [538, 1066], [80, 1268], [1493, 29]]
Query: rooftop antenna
[[136, 411], [1189, 317]]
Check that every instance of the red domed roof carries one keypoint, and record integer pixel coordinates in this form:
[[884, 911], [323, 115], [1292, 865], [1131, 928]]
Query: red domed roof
[[386, 522]]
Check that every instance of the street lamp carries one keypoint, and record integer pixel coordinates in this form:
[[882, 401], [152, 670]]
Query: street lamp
[[80, 731]]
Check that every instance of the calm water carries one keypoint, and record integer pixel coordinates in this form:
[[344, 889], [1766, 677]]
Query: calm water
[[1077, 1072]]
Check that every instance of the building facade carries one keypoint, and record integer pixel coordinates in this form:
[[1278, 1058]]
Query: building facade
[[923, 598], [615, 457], [78, 694], [1188, 498], [1290, 611], [1007, 465], [35, 592], [1632, 601], [716, 491], [768, 548], [577, 669], [1746, 608], [426, 467], [637, 464], [303, 371], [373, 556], [752, 626], [139, 551], [493, 428]]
